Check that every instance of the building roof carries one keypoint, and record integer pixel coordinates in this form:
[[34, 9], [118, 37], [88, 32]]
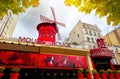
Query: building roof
[[89, 26]]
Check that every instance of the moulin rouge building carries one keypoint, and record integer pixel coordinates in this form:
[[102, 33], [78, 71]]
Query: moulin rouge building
[[46, 59]]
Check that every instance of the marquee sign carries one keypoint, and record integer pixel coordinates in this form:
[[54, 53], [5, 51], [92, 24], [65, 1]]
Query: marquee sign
[[34, 41]]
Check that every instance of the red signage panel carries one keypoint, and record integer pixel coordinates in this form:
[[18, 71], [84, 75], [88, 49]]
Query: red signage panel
[[33, 60], [16, 58], [62, 61]]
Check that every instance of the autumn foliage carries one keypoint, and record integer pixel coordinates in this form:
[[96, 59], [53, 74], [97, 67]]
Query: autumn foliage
[[108, 8], [16, 6]]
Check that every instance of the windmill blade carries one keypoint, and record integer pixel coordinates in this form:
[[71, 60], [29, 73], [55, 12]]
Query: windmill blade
[[58, 35], [53, 13], [62, 24], [45, 19]]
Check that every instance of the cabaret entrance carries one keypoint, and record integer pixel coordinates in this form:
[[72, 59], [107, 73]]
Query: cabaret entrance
[[103, 63]]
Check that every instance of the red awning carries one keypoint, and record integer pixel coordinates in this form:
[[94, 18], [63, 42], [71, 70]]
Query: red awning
[[101, 52]]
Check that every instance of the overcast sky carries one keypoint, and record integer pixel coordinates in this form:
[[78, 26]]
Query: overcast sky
[[27, 22]]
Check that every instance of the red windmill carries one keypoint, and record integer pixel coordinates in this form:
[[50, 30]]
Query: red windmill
[[45, 19], [48, 29]]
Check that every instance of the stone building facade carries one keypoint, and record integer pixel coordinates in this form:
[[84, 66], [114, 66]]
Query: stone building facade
[[8, 24], [84, 35]]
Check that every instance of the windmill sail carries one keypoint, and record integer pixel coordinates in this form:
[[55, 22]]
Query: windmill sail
[[45, 19]]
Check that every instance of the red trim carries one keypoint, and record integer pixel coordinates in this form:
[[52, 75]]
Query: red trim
[[111, 65], [116, 66], [56, 68], [101, 52], [62, 68], [19, 66], [93, 64]]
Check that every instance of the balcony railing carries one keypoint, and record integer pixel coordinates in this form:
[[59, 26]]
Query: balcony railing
[[101, 52]]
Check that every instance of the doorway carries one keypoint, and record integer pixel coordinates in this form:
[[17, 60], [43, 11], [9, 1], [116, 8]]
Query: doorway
[[102, 63]]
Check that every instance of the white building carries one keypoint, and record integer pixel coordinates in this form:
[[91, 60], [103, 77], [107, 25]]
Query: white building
[[7, 24], [84, 35]]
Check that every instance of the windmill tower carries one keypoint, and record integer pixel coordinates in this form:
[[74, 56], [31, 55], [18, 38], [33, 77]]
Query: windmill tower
[[48, 29]]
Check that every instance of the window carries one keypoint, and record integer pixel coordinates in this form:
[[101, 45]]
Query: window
[[48, 34], [92, 40], [90, 32], [89, 46], [88, 39], [95, 33], [86, 31], [42, 33], [78, 35], [93, 46], [116, 49], [74, 43], [53, 36], [98, 34]]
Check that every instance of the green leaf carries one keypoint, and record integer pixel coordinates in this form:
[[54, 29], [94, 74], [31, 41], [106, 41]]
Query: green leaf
[[16, 6], [108, 8]]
